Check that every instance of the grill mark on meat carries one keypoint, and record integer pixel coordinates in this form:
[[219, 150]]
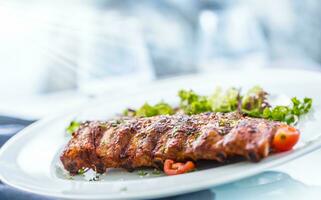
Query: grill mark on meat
[[131, 145], [93, 160], [121, 140], [132, 131], [154, 132], [159, 148], [139, 142], [176, 137]]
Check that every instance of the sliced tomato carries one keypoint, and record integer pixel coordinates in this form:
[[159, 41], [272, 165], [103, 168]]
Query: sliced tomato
[[285, 138], [172, 168]]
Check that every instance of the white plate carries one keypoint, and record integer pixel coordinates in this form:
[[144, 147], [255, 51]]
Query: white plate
[[28, 161]]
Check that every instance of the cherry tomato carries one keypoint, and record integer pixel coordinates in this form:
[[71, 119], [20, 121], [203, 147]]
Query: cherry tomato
[[172, 168], [285, 138]]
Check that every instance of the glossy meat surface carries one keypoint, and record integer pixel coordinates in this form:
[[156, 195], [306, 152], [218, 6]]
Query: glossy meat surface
[[147, 142]]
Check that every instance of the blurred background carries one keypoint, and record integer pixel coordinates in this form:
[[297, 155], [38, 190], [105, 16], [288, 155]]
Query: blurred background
[[55, 55]]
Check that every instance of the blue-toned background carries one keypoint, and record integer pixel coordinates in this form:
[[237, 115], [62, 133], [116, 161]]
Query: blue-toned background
[[57, 55]]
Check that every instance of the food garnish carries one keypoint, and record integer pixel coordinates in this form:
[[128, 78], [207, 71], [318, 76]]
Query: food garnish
[[148, 110], [172, 168], [253, 103], [156, 172], [192, 103], [73, 126], [288, 114], [82, 171], [142, 173], [285, 138]]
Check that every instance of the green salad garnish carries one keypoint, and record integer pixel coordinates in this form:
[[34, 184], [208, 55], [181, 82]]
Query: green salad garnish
[[142, 173], [191, 103], [253, 103], [73, 126], [288, 114], [222, 101], [148, 110]]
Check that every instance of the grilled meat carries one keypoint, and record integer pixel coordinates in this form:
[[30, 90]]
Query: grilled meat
[[148, 142]]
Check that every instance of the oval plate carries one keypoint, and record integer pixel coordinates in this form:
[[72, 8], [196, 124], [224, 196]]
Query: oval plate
[[29, 160]]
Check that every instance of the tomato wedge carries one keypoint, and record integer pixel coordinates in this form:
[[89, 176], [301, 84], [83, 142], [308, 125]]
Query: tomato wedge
[[285, 138], [172, 168]]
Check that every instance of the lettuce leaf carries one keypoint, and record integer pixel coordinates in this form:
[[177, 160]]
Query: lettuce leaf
[[73, 126], [192, 103], [148, 110], [254, 102], [226, 101], [289, 114]]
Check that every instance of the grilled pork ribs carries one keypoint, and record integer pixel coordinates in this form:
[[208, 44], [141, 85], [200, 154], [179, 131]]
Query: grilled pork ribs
[[148, 142]]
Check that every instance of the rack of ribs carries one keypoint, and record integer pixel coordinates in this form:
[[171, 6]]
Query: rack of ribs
[[147, 142]]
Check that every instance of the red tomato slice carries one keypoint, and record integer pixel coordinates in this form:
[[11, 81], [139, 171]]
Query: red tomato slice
[[285, 138], [172, 168]]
